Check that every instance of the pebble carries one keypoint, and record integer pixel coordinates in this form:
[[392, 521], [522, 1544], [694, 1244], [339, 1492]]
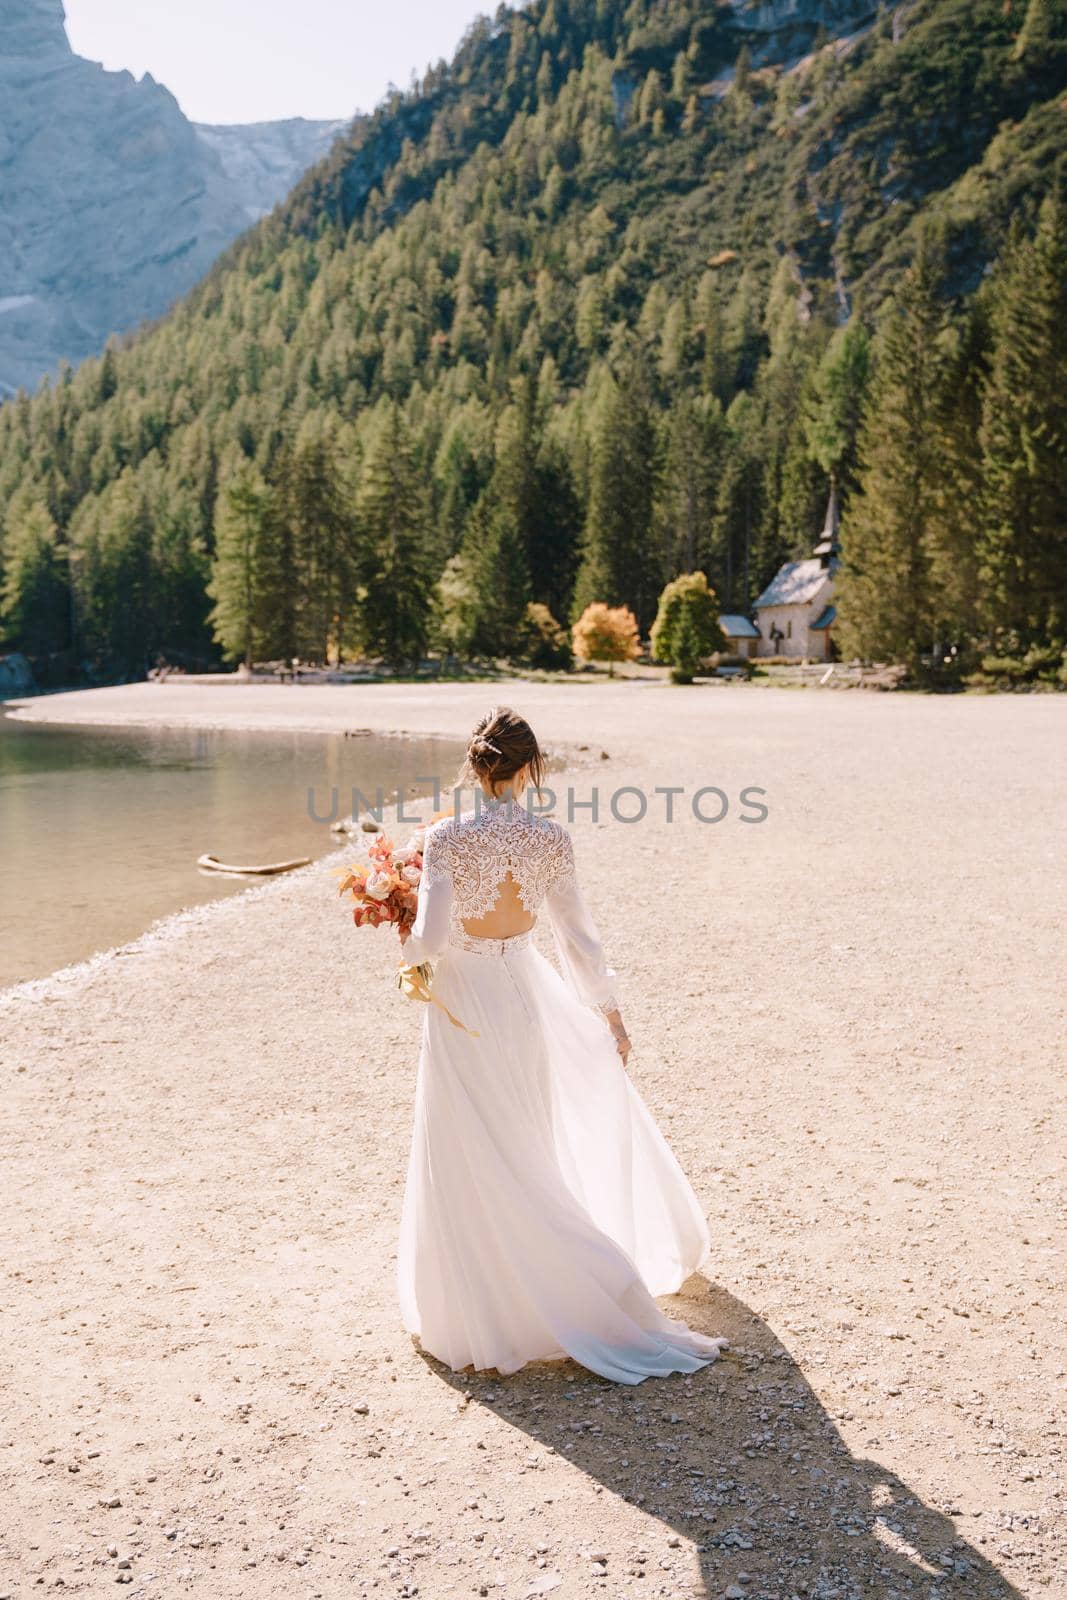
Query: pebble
[[110, 1502]]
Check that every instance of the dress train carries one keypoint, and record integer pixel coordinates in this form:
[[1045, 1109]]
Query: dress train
[[543, 1209]]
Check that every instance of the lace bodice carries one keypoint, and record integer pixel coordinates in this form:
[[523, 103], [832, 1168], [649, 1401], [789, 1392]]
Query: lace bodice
[[465, 860], [478, 850]]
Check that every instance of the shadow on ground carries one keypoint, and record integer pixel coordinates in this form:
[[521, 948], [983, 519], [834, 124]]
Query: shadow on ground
[[743, 1460]]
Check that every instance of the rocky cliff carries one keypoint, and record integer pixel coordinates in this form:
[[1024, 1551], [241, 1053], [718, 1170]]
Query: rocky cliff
[[112, 203], [262, 159], [781, 30]]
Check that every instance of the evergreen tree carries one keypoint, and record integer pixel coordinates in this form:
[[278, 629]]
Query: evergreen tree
[[651, 97], [555, 536], [739, 96], [183, 570], [884, 596], [237, 586], [513, 487], [396, 589], [455, 608], [834, 404], [674, 340], [778, 410], [618, 561], [1024, 437], [545, 643], [494, 555], [321, 528], [34, 599], [1037, 38], [112, 560], [953, 538], [739, 509], [743, 336], [691, 468], [716, 363], [280, 570]]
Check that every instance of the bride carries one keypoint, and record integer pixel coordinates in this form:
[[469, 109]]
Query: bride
[[543, 1208]]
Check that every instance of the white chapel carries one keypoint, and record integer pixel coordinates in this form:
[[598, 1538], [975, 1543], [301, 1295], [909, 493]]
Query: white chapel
[[795, 614]]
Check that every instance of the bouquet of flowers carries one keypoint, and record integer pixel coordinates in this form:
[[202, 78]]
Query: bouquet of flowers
[[386, 890]]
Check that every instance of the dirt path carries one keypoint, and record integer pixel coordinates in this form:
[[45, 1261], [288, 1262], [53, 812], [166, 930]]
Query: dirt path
[[849, 1020]]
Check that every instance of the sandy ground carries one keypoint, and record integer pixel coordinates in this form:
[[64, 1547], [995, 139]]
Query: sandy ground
[[848, 1019]]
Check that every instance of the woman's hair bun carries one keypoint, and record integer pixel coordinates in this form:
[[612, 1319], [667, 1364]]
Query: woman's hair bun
[[501, 745]]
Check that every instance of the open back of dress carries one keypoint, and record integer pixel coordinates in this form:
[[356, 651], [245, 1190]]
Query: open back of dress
[[507, 917]]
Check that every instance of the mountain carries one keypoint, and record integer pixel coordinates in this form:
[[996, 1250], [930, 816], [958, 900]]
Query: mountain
[[262, 160], [112, 204], [602, 300]]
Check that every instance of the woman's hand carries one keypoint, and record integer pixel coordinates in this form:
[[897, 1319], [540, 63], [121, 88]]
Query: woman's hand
[[622, 1042]]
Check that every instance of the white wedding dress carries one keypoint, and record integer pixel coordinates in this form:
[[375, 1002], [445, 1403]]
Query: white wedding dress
[[543, 1208]]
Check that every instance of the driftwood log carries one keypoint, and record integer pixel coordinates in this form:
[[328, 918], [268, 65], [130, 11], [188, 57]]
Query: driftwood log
[[213, 864]]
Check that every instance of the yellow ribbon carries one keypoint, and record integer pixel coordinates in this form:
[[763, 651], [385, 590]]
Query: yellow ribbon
[[414, 982]]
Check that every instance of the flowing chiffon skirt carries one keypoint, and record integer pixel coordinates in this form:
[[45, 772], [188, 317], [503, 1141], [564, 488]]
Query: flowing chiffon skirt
[[543, 1208]]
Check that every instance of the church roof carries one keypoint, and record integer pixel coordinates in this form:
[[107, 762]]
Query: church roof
[[827, 616], [794, 584], [736, 627]]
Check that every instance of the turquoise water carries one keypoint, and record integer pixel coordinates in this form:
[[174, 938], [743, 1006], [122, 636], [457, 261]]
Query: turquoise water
[[100, 828]]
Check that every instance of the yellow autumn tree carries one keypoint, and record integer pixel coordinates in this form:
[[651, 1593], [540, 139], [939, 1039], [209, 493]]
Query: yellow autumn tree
[[606, 633]]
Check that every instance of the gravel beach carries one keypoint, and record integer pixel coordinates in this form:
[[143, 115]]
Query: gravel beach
[[849, 1020]]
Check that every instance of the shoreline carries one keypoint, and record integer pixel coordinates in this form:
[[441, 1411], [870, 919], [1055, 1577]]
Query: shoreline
[[163, 930], [609, 708], [86, 712], [166, 925], [319, 709]]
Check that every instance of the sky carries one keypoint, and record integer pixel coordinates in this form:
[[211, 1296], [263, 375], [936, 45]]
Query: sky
[[256, 60]]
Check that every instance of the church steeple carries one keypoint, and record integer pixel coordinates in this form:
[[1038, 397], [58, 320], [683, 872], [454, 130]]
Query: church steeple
[[828, 548]]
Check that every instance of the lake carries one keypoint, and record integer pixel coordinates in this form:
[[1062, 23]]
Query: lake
[[100, 828]]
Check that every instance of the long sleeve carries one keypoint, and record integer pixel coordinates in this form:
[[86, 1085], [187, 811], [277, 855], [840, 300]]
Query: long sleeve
[[429, 934], [580, 951]]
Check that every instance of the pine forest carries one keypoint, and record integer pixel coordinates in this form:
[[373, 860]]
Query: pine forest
[[615, 297]]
